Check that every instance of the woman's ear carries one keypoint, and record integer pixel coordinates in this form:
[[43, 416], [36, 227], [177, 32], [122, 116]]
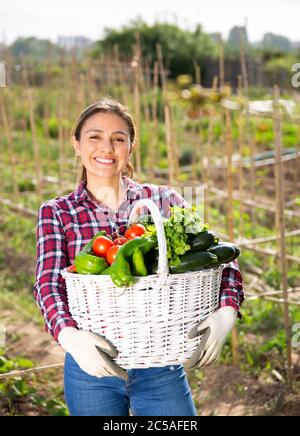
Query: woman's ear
[[76, 145], [132, 147]]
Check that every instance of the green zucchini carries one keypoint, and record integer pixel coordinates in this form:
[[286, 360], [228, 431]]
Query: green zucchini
[[193, 261], [202, 241], [151, 261], [225, 252]]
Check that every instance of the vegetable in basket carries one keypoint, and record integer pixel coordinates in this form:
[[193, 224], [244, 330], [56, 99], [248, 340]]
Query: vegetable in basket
[[101, 245], [138, 264], [194, 262], [88, 264], [226, 252], [88, 247], [191, 246], [120, 271], [202, 241], [85, 262], [182, 223]]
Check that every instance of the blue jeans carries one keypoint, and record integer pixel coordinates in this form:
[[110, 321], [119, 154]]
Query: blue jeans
[[148, 392]]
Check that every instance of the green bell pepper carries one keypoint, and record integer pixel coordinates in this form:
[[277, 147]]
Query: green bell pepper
[[87, 264]]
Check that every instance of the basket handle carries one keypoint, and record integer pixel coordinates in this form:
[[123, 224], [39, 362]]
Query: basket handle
[[163, 268]]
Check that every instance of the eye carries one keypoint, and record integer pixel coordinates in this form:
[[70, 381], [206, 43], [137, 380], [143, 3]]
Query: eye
[[94, 137], [120, 139]]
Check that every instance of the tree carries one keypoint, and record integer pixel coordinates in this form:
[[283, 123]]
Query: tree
[[234, 37], [276, 43], [179, 47], [34, 49]]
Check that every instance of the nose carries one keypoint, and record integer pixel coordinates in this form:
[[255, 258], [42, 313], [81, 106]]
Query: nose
[[106, 144]]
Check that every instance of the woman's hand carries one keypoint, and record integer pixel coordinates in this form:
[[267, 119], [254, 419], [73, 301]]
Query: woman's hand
[[91, 351], [214, 331]]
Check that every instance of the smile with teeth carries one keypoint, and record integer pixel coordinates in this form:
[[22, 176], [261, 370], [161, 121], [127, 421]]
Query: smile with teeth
[[104, 161]]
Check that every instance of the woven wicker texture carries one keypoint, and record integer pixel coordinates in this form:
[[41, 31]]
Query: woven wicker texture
[[148, 322]]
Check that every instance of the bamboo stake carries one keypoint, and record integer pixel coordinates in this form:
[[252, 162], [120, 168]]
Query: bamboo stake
[[154, 136], [250, 203], [91, 82], [46, 108], [291, 291], [221, 64], [60, 146], [230, 222], [275, 300], [270, 252], [25, 372], [207, 166], [7, 127], [197, 73], [29, 213], [161, 69], [243, 65], [241, 168], [143, 86], [209, 151], [80, 104], [137, 111], [281, 221], [247, 134], [268, 239], [195, 146], [169, 144], [175, 149], [119, 74], [36, 149], [2, 154]]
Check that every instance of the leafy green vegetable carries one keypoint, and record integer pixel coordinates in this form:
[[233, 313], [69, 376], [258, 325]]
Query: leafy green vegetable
[[183, 221]]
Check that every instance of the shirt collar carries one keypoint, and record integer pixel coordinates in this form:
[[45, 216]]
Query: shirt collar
[[133, 190]]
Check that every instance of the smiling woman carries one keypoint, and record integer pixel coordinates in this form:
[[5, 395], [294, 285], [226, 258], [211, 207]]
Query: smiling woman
[[104, 137]]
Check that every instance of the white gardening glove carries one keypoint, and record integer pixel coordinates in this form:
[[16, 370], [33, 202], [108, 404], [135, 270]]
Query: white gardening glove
[[214, 331], [91, 351]]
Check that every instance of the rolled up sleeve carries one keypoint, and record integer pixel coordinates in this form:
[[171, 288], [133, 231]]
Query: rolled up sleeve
[[232, 292]]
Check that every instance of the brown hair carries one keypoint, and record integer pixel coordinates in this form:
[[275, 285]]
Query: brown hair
[[105, 104]]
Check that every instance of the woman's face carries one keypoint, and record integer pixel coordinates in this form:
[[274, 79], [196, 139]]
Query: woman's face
[[104, 145]]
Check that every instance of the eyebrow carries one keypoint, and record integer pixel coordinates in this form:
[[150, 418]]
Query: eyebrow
[[101, 131]]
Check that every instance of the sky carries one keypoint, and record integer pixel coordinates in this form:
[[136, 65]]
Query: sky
[[53, 18]]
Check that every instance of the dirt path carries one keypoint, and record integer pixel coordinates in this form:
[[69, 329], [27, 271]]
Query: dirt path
[[224, 390], [34, 344], [218, 390]]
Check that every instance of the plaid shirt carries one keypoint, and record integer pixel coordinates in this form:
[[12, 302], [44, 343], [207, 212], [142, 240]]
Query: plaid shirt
[[67, 223]]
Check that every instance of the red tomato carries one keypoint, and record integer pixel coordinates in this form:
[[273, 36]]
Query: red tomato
[[120, 240], [101, 245], [134, 231], [112, 253]]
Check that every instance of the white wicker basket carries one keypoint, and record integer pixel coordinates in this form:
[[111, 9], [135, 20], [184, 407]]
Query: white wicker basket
[[148, 322]]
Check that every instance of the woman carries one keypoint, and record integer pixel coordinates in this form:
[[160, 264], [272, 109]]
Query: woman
[[104, 138]]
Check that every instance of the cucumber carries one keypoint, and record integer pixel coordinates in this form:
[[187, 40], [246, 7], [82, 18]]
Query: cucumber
[[151, 261], [194, 261], [202, 241], [225, 252]]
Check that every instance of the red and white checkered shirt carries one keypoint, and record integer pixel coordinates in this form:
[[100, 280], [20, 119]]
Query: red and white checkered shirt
[[66, 223]]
